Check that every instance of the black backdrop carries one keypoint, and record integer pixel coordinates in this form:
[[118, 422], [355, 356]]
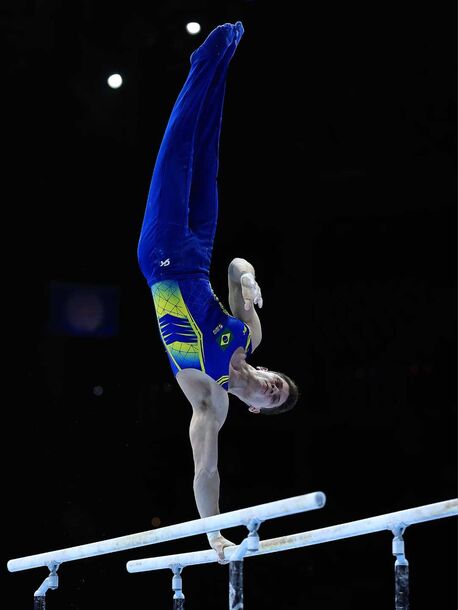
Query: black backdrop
[[338, 181]]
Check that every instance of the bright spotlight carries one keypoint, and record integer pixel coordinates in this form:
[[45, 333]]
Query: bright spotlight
[[114, 81], [193, 27]]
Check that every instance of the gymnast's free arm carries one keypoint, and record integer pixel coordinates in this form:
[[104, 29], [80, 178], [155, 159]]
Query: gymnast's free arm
[[203, 433], [244, 294]]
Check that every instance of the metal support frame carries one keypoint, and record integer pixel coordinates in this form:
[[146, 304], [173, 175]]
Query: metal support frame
[[401, 570], [50, 582], [395, 522], [177, 584], [249, 545]]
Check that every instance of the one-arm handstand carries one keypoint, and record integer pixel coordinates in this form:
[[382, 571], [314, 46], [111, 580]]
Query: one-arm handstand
[[206, 346]]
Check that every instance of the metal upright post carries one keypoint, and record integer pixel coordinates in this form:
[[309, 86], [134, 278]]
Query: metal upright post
[[401, 571], [236, 585], [39, 602], [250, 544], [51, 582], [177, 583]]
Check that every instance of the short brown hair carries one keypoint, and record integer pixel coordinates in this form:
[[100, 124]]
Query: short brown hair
[[289, 403]]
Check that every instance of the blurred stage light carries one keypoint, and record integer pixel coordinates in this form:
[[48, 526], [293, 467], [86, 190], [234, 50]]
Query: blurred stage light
[[82, 310], [193, 27], [114, 81]]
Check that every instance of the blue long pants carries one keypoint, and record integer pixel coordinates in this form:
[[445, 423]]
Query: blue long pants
[[179, 224]]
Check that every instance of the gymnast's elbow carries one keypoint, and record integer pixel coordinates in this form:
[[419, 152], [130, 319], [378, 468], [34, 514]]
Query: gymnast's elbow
[[205, 474], [237, 266]]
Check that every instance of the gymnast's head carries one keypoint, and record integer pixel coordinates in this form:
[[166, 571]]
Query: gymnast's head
[[268, 392]]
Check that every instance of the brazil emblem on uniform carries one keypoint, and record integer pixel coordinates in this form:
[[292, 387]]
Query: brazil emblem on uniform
[[225, 339]]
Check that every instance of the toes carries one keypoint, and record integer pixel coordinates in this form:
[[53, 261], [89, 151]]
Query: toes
[[239, 30]]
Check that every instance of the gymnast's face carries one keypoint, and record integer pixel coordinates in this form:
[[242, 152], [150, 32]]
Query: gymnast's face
[[267, 390]]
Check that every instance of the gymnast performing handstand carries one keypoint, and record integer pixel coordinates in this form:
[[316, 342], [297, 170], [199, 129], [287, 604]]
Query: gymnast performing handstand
[[207, 347]]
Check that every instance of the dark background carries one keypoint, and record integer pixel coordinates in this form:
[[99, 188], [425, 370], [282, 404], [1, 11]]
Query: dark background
[[338, 181]]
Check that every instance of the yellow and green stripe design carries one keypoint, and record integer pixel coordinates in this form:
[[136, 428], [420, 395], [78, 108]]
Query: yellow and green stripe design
[[181, 335]]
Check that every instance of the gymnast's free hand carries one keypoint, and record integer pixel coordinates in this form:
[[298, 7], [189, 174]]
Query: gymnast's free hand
[[251, 291], [219, 543]]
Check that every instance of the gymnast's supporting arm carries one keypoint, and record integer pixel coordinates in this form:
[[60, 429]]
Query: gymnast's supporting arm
[[203, 432]]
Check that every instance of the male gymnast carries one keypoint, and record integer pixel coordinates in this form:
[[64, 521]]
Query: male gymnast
[[206, 346]]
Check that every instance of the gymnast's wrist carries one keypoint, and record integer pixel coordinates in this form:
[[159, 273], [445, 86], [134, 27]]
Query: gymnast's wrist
[[212, 536]]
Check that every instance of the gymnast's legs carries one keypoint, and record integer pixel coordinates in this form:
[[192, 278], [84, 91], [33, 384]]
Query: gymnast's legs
[[181, 211], [203, 201]]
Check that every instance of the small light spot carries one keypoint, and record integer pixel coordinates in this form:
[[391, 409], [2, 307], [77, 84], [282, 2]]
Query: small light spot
[[97, 390], [114, 81], [193, 27]]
